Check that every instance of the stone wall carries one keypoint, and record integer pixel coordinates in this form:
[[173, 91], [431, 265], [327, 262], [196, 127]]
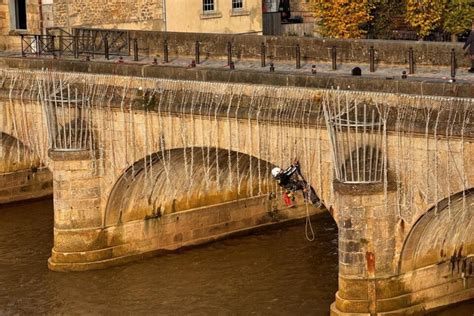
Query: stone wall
[[140, 14], [283, 48], [25, 185], [22, 175], [7, 26]]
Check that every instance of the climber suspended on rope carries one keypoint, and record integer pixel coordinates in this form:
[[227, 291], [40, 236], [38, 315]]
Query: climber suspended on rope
[[292, 180]]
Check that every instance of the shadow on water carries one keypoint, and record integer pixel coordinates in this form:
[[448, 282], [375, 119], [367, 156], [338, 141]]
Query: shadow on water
[[273, 272]]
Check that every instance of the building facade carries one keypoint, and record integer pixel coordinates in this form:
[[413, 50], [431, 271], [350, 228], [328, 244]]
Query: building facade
[[205, 16], [214, 16]]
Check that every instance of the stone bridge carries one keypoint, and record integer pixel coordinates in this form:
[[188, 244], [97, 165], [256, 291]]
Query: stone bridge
[[142, 166]]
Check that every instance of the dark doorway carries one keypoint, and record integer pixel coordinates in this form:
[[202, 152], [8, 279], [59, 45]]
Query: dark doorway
[[20, 12]]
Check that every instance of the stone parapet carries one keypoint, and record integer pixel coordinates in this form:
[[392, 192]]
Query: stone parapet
[[425, 87]]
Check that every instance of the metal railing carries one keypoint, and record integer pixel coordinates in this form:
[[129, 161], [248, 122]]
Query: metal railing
[[37, 45], [91, 42], [357, 134]]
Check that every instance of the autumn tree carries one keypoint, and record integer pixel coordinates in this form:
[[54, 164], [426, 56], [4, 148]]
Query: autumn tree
[[458, 15], [425, 15], [342, 18]]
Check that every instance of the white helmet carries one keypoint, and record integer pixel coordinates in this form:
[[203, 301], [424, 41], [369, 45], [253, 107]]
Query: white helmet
[[276, 171]]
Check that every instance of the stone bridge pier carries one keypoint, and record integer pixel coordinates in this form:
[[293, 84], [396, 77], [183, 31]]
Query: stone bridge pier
[[143, 166]]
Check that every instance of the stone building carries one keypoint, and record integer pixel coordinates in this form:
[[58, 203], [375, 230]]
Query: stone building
[[206, 16]]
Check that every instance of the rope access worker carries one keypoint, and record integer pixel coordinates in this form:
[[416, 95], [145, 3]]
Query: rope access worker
[[292, 180]]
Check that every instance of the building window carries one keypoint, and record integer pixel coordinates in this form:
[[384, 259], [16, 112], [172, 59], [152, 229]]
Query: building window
[[208, 5], [237, 4], [18, 14]]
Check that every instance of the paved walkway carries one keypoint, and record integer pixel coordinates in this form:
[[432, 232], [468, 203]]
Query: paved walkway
[[436, 73]]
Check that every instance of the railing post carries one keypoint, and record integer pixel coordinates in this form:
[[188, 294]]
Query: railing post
[[411, 61], [372, 58], [75, 46], [298, 56], [135, 49], [165, 52], [197, 52], [22, 45], [453, 64], [38, 45], [61, 45], [229, 53], [52, 46], [334, 57], [263, 54], [106, 48]]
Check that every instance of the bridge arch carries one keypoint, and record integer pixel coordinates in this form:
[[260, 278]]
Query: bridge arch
[[185, 178], [441, 234]]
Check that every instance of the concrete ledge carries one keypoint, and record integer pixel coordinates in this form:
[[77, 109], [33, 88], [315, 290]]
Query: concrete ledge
[[415, 292], [25, 185], [60, 155], [80, 250]]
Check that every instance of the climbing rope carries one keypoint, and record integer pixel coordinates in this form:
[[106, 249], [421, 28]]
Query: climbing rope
[[308, 229]]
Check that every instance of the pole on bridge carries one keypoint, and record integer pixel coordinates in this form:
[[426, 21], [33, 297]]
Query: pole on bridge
[[52, 46], [298, 56], [372, 58], [22, 46], [61, 45], [229, 53], [334, 57], [165, 51], [197, 53], [135, 49], [75, 46], [263, 54], [453, 65], [411, 61], [106, 48], [37, 45]]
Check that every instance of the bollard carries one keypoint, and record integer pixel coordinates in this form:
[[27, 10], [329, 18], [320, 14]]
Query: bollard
[[229, 53], [135, 49], [263, 54], [106, 48], [75, 46], [372, 58], [232, 65], [22, 47], [411, 61], [197, 52], [334, 58], [298, 56], [272, 67], [453, 65], [165, 51]]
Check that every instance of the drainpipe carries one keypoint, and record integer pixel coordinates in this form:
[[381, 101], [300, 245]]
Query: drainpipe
[[164, 16], [41, 24]]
